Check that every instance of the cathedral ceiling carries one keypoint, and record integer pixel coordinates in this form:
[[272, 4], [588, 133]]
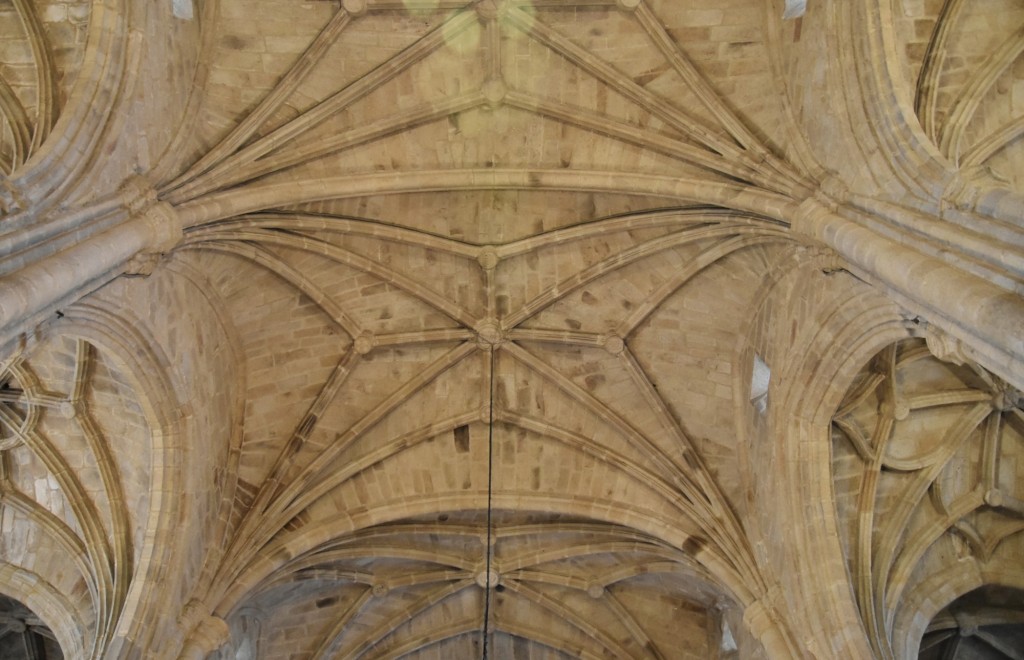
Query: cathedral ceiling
[[484, 267], [924, 459], [463, 249], [479, 310], [486, 273]]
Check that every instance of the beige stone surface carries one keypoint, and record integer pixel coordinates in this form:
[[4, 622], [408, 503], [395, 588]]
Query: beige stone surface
[[511, 329]]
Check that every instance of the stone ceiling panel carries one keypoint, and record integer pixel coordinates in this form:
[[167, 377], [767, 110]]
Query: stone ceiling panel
[[41, 50], [408, 586], [926, 463], [488, 217], [76, 456]]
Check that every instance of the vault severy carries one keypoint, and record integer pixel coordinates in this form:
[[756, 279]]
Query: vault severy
[[546, 572], [436, 375], [400, 277]]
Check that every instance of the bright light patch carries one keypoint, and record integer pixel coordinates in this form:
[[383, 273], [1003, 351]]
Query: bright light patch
[[728, 641], [760, 376], [464, 41], [182, 9], [794, 9]]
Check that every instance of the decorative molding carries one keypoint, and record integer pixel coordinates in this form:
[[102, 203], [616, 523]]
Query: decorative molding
[[923, 463]]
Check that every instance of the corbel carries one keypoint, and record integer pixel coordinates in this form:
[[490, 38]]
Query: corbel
[[205, 633], [160, 219]]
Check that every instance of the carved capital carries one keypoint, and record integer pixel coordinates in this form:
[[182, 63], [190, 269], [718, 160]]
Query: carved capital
[[143, 264], [832, 191], [160, 219], [206, 633], [190, 615], [762, 618], [820, 256], [136, 194], [165, 225], [965, 188], [809, 215], [212, 633], [945, 346]]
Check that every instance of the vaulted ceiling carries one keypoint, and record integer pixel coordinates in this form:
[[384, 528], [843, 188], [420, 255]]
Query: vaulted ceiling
[[449, 311], [472, 355]]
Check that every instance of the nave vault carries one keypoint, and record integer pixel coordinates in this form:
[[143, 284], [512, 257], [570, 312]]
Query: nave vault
[[525, 329]]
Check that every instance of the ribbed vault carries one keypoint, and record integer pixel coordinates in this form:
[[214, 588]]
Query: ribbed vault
[[425, 329], [42, 52], [396, 372], [454, 241], [74, 507], [965, 67], [925, 456], [562, 587]]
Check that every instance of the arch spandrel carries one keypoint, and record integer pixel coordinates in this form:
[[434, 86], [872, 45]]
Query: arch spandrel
[[188, 367], [44, 51], [814, 327]]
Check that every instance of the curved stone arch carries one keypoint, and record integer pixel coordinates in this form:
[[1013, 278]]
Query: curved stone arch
[[875, 112], [895, 128], [613, 539], [800, 438], [820, 363], [50, 605], [941, 590], [60, 160], [260, 196], [855, 332], [791, 257], [966, 106], [143, 362], [113, 321], [112, 60], [137, 357], [913, 485], [861, 93], [198, 281], [608, 511], [175, 154]]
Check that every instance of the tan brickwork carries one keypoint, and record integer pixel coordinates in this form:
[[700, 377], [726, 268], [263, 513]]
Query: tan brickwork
[[510, 328]]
